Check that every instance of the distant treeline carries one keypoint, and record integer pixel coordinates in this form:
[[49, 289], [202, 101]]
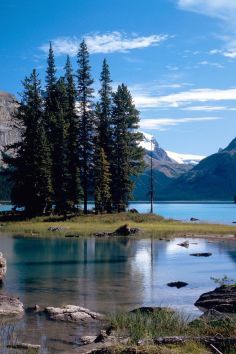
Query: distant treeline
[[72, 146]]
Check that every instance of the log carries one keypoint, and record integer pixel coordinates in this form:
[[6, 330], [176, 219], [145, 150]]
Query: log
[[203, 339]]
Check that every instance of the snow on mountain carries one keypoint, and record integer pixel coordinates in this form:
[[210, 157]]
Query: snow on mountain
[[185, 158], [150, 144]]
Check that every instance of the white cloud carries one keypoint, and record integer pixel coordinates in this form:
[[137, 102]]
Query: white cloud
[[208, 63], [185, 97], [205, 108], [105, 43], [162, 123], [224, 9]]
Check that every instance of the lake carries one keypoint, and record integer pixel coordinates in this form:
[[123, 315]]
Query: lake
[[106, 276], [217, 212]]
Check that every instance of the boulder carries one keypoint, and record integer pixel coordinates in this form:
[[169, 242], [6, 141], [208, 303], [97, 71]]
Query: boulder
[[125, 230], [85, 340], [133, 211], [3, 266], [72, 313], [222, 299], [10, 306], [177, 284]]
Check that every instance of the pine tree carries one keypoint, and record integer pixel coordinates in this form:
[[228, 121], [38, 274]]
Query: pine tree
[[50, 103], [102, 181], [127, 158], [31, 164], [86, 120], [59, 149], [73, 176], [104, 110]]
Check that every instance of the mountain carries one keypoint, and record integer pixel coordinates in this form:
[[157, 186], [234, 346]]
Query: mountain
[[8, 134], [185, 158], [165, 168], [212, 179]]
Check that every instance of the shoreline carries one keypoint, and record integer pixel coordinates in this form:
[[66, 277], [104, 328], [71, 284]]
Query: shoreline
[[151, 226]]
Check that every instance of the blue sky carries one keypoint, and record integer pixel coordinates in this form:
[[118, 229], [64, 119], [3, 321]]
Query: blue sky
[[178, 58]]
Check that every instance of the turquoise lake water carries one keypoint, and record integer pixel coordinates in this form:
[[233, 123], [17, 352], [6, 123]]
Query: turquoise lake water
[[106, 276], [224, 212]]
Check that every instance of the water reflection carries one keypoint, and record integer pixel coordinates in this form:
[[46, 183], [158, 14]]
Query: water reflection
[[107, 276]]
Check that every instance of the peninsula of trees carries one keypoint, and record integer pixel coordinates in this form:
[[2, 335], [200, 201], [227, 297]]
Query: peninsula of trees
[[72, 146]]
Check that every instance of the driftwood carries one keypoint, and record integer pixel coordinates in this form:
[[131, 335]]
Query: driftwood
[[24, 346], [217, 340]]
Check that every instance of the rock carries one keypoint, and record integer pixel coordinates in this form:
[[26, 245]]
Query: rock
[[125, 230], [102, 337], [214, 315], [222, 299], [201, 254], [177, 284], [3, 266], [134, 211], [149, 309], [87, 339], [10, 306], [194, 219], [104, 234], [76, 235], [72, 313], [56, 228], [35, 308], [184, 244]]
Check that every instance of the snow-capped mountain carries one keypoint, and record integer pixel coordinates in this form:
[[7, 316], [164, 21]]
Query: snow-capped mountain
[[185, 158], [150, 144]]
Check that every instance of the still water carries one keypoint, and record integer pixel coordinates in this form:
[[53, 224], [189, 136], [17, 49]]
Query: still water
[[217, 212], [106, 276]]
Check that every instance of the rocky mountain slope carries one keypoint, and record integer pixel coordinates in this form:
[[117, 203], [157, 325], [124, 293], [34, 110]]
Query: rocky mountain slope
[[212, 179], [8, 134]]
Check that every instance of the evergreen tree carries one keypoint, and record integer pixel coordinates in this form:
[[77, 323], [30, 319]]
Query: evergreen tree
[[50, 103], [104, 110], [31, 164], [127, 158], [59, 149], [73, 177], [86, 120], [102, 181]]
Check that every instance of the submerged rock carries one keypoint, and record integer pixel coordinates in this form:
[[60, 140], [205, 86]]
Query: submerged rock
[[150, 309], [72, 313], [184, 244], [206, 254], [10, 306], [177, 284], [222, 299], [3, 266]]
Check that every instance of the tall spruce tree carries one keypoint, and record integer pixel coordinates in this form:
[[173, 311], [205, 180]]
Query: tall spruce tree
[[104, 110], [127, 158], [102, 181], [31, 164], [86, 121], [74, 190], [59, 149]]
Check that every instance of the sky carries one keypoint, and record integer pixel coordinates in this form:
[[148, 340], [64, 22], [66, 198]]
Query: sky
[[178, 58]]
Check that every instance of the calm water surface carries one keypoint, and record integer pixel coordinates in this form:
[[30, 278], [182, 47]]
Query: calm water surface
[[224, 213], [106, 276], [220, 212]]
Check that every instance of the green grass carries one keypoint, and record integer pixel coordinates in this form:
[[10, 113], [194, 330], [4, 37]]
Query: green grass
[[85, 225], [162, 323]]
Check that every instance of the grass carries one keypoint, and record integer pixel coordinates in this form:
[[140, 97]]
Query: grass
[[85, 225], [147, 326]]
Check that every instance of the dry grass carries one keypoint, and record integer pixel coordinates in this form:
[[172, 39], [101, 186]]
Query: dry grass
[[152, 225]]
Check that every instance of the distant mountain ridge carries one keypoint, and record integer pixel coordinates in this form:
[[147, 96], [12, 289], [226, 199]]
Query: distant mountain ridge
[[212, 179]]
